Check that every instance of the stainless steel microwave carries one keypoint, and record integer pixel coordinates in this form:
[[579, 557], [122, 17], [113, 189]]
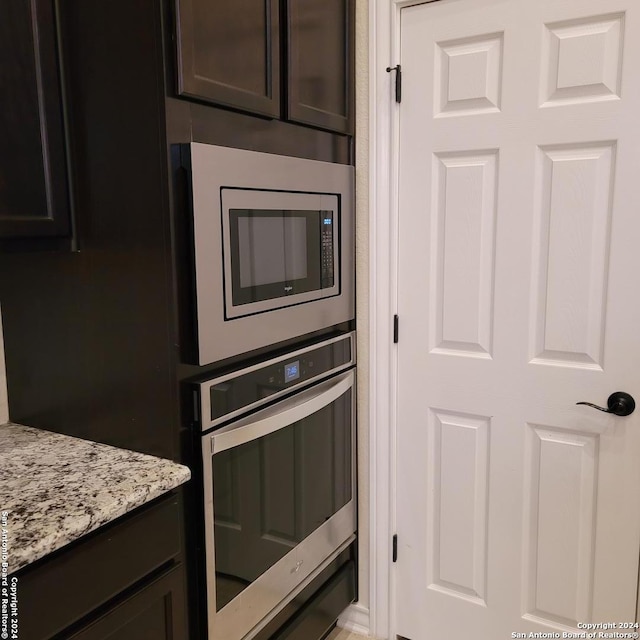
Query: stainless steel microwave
[[273, 241]]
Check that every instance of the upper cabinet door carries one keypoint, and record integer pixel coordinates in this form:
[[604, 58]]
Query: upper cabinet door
[[34, 195], [320, 54], [229, 53]]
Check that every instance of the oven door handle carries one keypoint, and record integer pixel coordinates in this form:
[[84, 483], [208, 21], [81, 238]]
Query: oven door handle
[[282, 414]]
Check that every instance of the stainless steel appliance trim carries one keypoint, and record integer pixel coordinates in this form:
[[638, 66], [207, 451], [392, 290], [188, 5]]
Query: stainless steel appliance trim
[[249, 199], [285, 413], [205, 387], [276, 587], [259, 602], [214, 168], [265, 621]]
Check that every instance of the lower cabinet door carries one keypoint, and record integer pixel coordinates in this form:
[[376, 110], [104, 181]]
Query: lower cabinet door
[[155, 612]]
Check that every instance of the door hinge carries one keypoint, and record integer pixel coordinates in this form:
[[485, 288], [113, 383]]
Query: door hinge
[[394, 554], [398, 70], [396, 329]]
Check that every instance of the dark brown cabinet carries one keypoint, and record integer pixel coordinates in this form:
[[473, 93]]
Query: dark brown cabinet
[[125, 580], [34, 196], [98, 341], [320, 63], [230, 53], [155, 612]]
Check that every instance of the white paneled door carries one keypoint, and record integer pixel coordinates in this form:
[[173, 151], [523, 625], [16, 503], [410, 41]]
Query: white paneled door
[[518, 295]]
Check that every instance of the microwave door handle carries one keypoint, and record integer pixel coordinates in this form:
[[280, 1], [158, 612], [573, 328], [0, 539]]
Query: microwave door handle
[[283, 414]]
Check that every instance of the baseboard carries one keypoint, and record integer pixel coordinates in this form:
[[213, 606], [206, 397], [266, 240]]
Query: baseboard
[[355, 619]]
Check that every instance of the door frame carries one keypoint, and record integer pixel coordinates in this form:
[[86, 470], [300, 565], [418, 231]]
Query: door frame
[[384, 51]]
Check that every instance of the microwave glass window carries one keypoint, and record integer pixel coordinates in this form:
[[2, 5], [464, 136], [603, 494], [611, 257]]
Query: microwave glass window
[[276, 253], [272, 249], [271, 493]]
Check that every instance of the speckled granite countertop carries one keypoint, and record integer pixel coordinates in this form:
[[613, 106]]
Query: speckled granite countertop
[[55, 489]]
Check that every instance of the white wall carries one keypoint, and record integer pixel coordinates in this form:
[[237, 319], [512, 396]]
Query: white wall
[[4, 406]]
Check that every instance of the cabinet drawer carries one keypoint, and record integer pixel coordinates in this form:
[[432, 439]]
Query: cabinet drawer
[[75, 581]]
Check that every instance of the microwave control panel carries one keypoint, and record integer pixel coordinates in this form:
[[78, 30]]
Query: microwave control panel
[[247, 388], [326, 235]]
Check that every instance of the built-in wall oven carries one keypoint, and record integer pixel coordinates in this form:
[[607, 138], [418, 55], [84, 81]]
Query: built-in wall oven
[[273, 240], [278, 447]]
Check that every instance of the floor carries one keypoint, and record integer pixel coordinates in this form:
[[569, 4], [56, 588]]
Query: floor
[[342, 634]]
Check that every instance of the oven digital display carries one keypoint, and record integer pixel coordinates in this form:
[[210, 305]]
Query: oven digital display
[[291, 371]]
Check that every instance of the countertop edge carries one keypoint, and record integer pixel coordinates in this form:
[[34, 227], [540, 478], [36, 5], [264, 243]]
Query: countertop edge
[[55, 489]]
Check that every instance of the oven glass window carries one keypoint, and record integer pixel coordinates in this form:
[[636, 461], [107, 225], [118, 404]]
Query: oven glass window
[[271, 493], [278, 253]]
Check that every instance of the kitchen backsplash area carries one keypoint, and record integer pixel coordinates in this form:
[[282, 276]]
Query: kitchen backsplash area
[[4, 405]]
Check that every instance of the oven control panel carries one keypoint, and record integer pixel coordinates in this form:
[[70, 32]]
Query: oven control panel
[[236, 393]]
